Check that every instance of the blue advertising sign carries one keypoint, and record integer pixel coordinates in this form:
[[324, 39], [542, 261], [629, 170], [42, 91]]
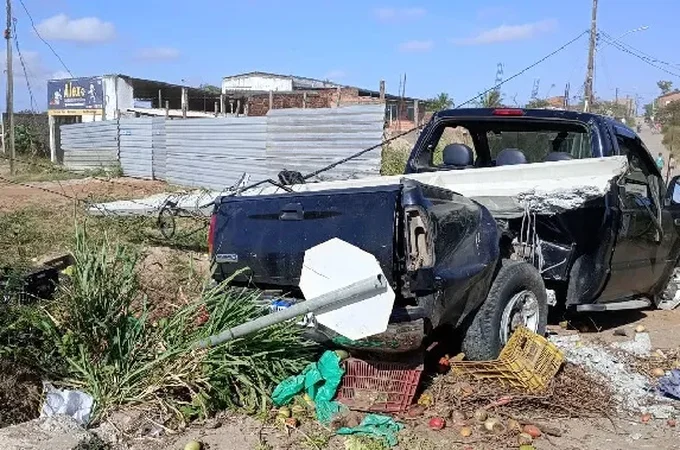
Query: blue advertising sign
[[75, 96]]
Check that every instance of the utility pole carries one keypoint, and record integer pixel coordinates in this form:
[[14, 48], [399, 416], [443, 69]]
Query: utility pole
[[10, 88], [588, 101]]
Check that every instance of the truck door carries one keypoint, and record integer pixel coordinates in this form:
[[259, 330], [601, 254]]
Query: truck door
[[639, 253]]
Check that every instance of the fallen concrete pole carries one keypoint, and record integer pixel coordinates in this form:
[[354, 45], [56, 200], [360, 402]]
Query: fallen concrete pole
[[341, 297]]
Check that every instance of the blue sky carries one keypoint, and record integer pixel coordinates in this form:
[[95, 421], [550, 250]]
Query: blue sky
[[449, 46]]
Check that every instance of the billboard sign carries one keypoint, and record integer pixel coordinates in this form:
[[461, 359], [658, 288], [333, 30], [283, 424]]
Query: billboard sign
[[75, 96]]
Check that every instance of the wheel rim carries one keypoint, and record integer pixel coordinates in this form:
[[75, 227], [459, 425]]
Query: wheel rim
[[521, 310]]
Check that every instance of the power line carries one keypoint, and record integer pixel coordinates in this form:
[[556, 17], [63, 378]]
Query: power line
[[647, 55], [30, 17], [651, 61], [23, 66], [521, 72]]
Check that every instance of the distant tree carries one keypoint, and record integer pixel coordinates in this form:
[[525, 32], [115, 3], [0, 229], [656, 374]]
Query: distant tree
[[537, 103], [649, 110], [665, 86], [212, 89], [441, 101], [492, 99]]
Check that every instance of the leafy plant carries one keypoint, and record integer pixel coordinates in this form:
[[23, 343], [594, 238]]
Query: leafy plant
[[117, 355]]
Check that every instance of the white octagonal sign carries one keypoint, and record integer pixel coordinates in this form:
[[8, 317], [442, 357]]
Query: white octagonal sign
[[335, 264]]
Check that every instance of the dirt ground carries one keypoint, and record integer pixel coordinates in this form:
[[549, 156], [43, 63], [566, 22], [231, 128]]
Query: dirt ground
[[13, 196]]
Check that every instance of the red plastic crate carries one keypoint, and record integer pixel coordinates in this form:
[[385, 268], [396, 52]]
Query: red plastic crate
[[386, 387]]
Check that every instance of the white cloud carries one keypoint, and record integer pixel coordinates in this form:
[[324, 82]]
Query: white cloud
[[398, 14], [416, 46], [158, 54], [506, 33], [86, 30], [335, 75]]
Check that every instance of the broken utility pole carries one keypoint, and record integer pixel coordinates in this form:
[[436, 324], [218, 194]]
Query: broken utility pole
[[588, 100], [10, 89]]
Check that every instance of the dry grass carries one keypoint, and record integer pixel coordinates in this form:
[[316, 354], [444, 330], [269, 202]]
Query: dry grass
[[572, 393]]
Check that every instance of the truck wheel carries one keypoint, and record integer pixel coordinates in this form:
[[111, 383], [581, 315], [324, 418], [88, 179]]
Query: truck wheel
[[517, 297]]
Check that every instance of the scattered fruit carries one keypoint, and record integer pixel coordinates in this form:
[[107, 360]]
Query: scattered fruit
[[671, 423], [532, 430], [640, 329], [493, 425], [645, 418], [425, 400], [292, 422], [193, 445], [298, 410], [525, 439], [564, 324], [458, 418], [481, 415], [514, 425], [526, 447], [416, 411], [342, 354], [458, 357], [437, 423], [658, 372], [309, 400], [466, 431], [284, 412]]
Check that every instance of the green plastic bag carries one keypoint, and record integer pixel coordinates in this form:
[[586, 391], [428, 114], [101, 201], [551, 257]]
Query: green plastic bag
[[377, 426], [320, 381]]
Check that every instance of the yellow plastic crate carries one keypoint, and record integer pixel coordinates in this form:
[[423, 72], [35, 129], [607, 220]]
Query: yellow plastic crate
[[527, 362]]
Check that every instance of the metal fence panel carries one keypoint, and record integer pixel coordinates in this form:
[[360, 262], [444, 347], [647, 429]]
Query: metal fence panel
[[89, 146], [158, 147], [214, 153], [136, 157], [309, 139]]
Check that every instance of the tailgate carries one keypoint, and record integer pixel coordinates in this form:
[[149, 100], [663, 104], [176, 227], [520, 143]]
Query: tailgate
[[270, 234]]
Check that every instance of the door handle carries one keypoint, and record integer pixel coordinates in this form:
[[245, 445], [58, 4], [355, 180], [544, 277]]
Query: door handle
[[292, 211], [676, 222]]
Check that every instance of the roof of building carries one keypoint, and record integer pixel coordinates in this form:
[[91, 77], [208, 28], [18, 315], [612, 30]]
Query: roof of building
[[302, 83]]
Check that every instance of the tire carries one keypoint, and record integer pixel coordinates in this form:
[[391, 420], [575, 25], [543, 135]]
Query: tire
[[482, 339]]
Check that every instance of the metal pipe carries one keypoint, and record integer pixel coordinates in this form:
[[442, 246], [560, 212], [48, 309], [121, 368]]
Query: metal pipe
[[347, 295]]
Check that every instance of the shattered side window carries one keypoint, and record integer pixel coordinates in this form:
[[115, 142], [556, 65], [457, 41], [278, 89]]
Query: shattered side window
[[452, 135], [536, 145]]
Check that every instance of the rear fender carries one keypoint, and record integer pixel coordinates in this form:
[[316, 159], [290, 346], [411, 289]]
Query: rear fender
[[464, 239]]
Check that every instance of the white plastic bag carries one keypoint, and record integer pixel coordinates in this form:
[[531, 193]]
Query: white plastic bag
[[75, 404]]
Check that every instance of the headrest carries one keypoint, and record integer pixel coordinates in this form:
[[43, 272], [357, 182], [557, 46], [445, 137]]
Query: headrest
[[510, 156], [458, 155]]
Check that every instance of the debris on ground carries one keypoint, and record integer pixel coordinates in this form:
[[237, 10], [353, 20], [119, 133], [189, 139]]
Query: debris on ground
[[669, 384], [377, 426], [319, 381], [631, 391], [640, 345], [527, 362], [75, 404]]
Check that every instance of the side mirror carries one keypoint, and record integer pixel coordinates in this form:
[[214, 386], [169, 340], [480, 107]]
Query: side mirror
[[673, 192]]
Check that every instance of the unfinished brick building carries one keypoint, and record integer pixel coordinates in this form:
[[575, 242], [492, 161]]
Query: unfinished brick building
[[255, 93]]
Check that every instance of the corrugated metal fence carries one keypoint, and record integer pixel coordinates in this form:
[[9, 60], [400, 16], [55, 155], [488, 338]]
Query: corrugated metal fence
[[309, 139], [214, 153], [90, 145]]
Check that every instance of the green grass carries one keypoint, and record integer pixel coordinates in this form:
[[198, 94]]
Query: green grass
[[100, 325], [35, 169]]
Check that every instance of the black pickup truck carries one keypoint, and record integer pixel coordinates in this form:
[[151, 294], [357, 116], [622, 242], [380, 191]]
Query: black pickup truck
[[456, 266]]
